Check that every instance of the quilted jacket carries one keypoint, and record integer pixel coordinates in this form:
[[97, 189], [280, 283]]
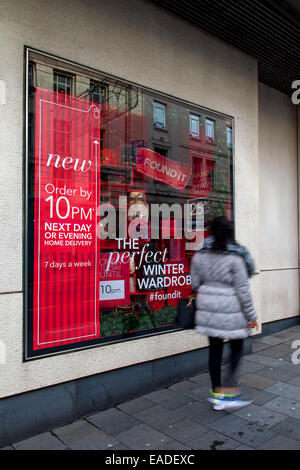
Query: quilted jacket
[[223, 303], [232, 247]]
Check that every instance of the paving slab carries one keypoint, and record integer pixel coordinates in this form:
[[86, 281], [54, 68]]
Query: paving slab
[[135, 406], [185, 430], [161, 396], [201, 379], [199, 394], [285, 390], [202, 413], [159, 417], [259, 415], [82, 435], [290, 333], [45, 441], [258, 346], [248, 367], [285, 406], [258, 397], [112, 421], [184, 387], [119, 447], [288, 358], [256, 381], [245, 367], [244, 447], [290, 427], [173, 445], [143, 437], [267, 361], [213, 440], [295, 381], [178, 402], [276, 351], [280, 443], [241, 430], [271, 340], [283, 373]]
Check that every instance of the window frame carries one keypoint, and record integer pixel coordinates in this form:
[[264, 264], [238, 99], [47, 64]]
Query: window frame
[[164, 107], [209, 139], [230, 145], [198, 135], [56, 73]]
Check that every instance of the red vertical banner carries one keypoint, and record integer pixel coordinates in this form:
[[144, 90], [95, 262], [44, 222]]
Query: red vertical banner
[[67, 194]]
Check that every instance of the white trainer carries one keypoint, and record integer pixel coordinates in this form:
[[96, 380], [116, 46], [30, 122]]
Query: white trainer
[[228, 404]]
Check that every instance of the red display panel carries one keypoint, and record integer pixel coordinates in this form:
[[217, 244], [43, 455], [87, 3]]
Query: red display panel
[[66, 192]]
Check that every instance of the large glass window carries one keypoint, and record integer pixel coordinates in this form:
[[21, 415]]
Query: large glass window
[[115, 206]]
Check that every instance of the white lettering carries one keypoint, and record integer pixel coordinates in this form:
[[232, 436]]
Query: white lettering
[[69, 163]]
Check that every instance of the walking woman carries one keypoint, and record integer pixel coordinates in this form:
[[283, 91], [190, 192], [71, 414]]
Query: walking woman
[[224, 308]]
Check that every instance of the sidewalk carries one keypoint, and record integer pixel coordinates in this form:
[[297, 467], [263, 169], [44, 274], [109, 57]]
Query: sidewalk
[[180, 418]]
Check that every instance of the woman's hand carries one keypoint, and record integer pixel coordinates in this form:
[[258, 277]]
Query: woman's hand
[[253, 324]]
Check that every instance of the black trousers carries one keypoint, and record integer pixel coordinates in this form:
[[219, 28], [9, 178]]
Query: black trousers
[[215, 361]]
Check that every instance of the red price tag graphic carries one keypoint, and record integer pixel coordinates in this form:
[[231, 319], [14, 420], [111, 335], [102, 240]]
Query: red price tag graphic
[[114, 281]]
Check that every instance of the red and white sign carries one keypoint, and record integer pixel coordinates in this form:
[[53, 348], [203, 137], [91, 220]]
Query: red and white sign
[[114, 280], [162, 169], [66, 265]]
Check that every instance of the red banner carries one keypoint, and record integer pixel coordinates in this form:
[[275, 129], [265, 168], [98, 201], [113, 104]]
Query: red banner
[[163, 169], [66, 268]]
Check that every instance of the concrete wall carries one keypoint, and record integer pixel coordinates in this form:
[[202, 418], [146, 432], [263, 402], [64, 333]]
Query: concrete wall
[[138, 41], [278, 205]]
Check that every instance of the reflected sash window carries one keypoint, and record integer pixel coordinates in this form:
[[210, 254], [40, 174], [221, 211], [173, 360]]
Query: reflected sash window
[[98, 93], [194, 126], [209, 130], [159, 115], [62, 83], [229, 137]]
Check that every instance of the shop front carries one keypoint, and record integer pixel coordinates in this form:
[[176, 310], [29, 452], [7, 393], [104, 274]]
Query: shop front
[[125, 131]]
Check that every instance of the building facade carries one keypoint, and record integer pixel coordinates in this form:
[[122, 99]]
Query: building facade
[[105, 115]]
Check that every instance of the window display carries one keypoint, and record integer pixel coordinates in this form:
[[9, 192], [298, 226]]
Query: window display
[[116, 202]]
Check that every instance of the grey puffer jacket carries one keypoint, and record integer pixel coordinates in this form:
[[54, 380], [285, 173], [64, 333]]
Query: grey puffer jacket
[[224, 303]]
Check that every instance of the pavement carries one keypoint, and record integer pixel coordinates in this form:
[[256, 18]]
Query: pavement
[[179, 417]]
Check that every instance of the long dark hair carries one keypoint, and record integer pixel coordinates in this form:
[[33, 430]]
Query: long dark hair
[[223, 233]]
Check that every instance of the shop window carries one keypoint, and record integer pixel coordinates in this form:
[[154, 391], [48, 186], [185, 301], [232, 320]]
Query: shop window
[[102, 265], [209, 130], [195, 126], [159, 115]]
